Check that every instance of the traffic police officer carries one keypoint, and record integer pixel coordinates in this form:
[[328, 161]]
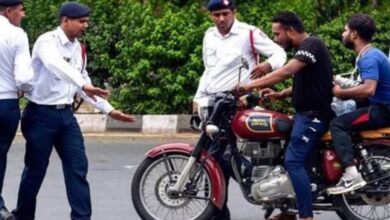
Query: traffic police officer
[[15, 74], [48, 120]]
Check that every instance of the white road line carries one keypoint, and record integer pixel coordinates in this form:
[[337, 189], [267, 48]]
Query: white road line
[[129, 167]]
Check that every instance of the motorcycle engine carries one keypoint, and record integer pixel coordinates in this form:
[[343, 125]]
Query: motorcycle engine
[[263, 152], [274, 186], [269, 182]]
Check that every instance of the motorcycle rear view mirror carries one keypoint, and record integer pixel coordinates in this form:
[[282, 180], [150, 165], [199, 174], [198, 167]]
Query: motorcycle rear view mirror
[[245, 65]]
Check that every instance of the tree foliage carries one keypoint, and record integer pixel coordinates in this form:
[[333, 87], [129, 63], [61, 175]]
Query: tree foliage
[[149, 51]]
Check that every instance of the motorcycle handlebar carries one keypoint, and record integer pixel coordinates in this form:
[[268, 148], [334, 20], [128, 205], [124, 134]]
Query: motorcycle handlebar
[[226, 98], [253, 100]]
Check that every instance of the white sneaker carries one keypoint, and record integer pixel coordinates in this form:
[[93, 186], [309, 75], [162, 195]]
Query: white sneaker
[[346, 185]]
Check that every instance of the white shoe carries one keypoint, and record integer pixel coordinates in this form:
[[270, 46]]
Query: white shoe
[[346, 185]]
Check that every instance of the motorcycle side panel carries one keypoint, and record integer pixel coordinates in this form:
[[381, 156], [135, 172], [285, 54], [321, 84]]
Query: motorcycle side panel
[[332, 166], [216, 175]]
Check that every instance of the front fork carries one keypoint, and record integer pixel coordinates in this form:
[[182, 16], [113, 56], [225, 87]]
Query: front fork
[[185, 174]]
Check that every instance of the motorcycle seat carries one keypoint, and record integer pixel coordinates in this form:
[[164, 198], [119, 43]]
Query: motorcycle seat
[[378, 133], [368, 134], [326, 136]]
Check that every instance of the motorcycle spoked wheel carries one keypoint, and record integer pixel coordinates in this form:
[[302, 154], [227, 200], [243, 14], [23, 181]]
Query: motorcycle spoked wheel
[[149, 190], [362, 206]]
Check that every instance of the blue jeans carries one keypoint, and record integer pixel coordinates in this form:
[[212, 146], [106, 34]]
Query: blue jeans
[[45, 127], [306, 134], [9, 120]]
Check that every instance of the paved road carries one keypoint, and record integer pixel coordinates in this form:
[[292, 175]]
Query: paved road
[[112, 163]]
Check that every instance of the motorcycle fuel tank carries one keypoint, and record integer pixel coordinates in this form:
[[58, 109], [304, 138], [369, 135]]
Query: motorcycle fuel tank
[[261, 124]]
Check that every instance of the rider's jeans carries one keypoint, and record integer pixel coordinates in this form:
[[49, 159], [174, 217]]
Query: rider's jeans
[[306, 134], [372, 117]]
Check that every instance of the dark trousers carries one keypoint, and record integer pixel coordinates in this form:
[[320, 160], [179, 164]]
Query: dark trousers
[[372, 117], [9, 120], [305, 136], [227, 172], [224, 213], [44, 127]]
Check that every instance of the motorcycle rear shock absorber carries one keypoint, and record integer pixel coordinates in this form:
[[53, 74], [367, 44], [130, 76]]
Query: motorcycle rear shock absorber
[[370, 167]]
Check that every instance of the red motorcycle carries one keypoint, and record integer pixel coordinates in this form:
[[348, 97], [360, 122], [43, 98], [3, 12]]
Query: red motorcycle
[[181, 181]]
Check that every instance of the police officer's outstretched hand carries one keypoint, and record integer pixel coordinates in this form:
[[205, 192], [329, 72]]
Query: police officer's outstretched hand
[[120, 116], [93, 91]]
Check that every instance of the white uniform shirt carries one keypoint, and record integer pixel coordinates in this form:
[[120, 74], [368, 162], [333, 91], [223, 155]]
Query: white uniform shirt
[[59, 72], [15, 60], [222, 57]]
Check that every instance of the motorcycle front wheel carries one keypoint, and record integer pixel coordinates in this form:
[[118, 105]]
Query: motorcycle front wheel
[[150, 190], [364, 205]]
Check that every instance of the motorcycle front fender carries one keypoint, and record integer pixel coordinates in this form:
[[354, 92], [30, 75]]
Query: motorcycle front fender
[[218, 185]]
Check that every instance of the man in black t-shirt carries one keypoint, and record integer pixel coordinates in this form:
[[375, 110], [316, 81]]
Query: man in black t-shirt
[[313, 85], [312, 94]]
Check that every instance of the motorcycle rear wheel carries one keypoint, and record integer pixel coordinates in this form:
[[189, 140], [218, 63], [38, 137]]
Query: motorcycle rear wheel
[[361, 206], [150, 196]]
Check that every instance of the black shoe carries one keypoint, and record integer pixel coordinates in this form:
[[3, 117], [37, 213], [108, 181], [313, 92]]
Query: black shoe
[[6, 215], [223, 214], [17, 216]]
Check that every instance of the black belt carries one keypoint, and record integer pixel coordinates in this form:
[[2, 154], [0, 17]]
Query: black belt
[[57, 107]]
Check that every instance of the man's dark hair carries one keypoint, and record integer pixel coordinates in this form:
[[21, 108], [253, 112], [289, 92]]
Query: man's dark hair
[[289, 19], [363, 24]]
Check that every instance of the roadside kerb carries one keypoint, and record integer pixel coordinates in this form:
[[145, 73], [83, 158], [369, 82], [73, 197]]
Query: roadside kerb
[[95, 123], [146, 124]]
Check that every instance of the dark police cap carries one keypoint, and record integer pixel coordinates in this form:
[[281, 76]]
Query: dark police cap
[[10, 3], [214, 5], [74, 10]]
